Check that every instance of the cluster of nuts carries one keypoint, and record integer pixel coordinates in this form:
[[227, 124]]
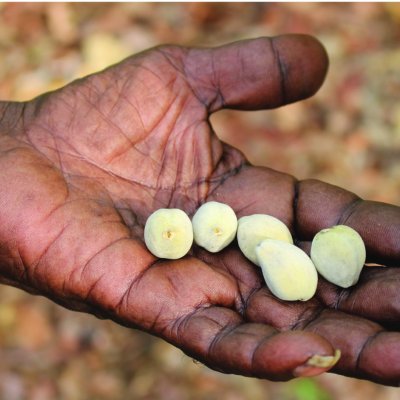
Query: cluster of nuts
[[337, 253]]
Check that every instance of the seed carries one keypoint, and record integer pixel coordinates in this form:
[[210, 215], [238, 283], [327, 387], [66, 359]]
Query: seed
[[339, 255], [168, 233], [288, 272], [214, 226], [255, 228]]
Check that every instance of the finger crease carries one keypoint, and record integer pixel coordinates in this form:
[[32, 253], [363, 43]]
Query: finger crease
[[307, 318], [282, 71], [259, 345], [223, 333], [134, 281], [246, 300], [364, 346], [342, 295], [348, 211], [296, 193]]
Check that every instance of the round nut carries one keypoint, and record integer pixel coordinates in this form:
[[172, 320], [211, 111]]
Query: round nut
[[255, 228], [214, 226], [288, 271], [339, 255], [168, 233]]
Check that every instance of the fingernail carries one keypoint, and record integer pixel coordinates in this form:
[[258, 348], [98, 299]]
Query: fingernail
[[316, 364], [324, 361]]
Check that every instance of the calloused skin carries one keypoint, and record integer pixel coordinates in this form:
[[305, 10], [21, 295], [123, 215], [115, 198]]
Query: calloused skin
[[84, 166]]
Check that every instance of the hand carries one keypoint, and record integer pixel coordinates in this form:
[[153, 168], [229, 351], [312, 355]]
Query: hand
[[83, 167]]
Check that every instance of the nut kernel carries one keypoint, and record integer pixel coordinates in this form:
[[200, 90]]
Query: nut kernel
[[214, 226], [168, 233], [255, 228], [339, 255], [288, 271]]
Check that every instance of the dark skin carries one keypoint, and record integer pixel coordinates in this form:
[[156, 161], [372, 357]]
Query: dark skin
[[83, 167]]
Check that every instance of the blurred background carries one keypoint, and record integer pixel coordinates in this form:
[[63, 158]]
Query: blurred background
[[348, 134]]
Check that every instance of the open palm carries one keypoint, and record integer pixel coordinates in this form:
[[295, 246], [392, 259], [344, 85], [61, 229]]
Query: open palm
[[83, 167]]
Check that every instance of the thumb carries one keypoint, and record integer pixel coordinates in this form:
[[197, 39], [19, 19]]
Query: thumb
[[257, 74]]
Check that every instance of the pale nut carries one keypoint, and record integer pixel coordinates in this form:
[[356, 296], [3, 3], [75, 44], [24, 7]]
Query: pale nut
[[255, 228], [168, 233], [339, 255], [288, 271], [214, 226]]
